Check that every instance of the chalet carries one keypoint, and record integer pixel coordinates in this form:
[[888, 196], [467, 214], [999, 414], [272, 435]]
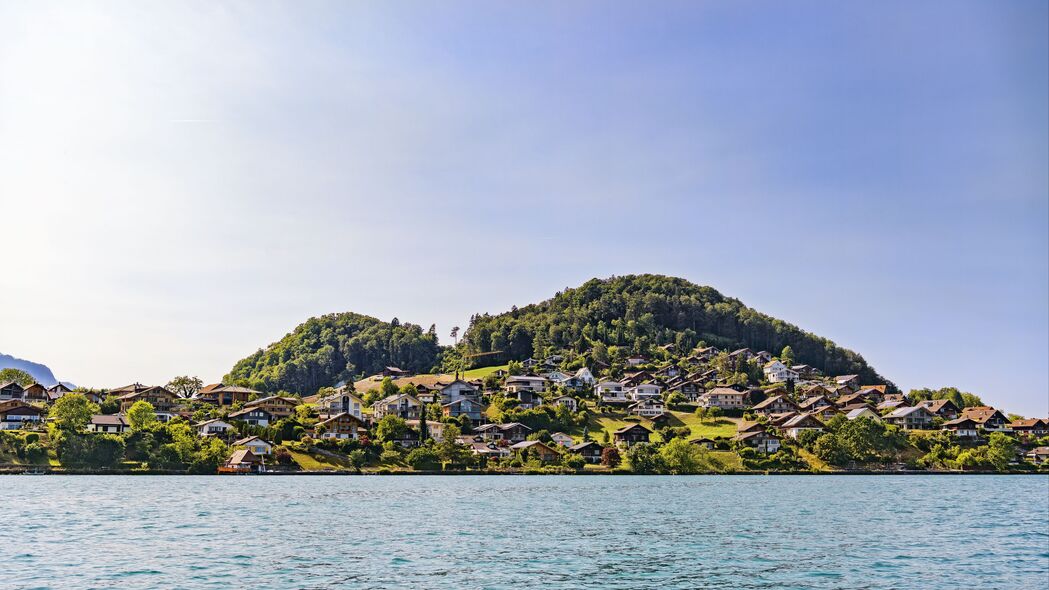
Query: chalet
[[340, 402], [255, 444], [526, 399], [394, 372], [34, 392], [11, 390], [635, 360], [648, 408], [987, 417], [632, 378], [403, 405], [776, 404], [537, 449], [1036, 427], [513, 431], [529, 363], [850, 399], [1038, 456], [162, 400], [457, 390], [744, 354], [817, 390], [278, 406], [243, 461], [113, 424], [800, 423], [567, 401], [252, 416], [631, 435], [463, 407], [486, 449], [133, 388], [962, 427], [725, 398], [765, 442], [590, 450], [805, 371], [778, 420], [525, 383], [874, 393], [910, 418], [669, 372], [815, 402], [57, 390], [16, 414], [944, 408], [644, 391], [434, 430], [889, 405], [777, 372], [863, 411], [341, 426], [561, 439], [850, 382], [556, 376], [611, 392], [706, 443], [585, 376], [214, 427], [690, 389], [226, 395]]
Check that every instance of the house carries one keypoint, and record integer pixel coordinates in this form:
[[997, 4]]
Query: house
[[567, 401], [279, 407], [763, 356], [962, 427], [537, 449], [590, 450], [815, 402], [341, 426], [403, 405], [113, 424], [644, 391], [434, 430], [561, 439], [512, 431], [1038, 456], [776, 404], [725, 398], [631, 435], [706, 443], [526, 399], [850, 399], [464, 406], [778, 420], [585, 376], [34, 392], [57, 390], [486, 449], [225, 395], [875, 393], [340, 402], [825, 413], [910, 418], [648, 408], [805, 371], [864, 411], [556, 376], [394, 372], [611, 392], [850, 382], [243, 461], [11, 390], [635, 360], [255, 444], [690, 389], [525, 383], [529, 363], [162, 400], [817, 390], [777, 372], [15, 414], [890, 404], [253, 416], [987, 417], [800, 423], [1036, 427], [133, 388], [765, 442], [214, 427], [944, 408], [457, 390]]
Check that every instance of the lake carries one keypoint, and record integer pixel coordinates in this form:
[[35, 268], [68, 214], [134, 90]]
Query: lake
[[818, 532]]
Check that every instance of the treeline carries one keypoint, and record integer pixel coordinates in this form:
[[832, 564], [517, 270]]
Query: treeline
[[335, 347], [642, 312]]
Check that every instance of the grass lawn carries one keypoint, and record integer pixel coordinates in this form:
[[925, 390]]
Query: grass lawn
[[728, 459], [612, 421], [721, 427], [814, 461], [309, 462], [482, 372]]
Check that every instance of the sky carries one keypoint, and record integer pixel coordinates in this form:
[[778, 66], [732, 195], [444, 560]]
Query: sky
[[183, 183]]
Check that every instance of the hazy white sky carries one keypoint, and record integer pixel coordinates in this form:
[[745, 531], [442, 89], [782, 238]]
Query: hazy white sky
[[182, 183]]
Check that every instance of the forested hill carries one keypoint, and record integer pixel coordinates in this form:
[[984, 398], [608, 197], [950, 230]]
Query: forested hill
[[642, 312], [332, 348]]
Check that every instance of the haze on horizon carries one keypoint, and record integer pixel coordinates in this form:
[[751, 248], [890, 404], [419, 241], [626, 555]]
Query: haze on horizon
[[183, 183]]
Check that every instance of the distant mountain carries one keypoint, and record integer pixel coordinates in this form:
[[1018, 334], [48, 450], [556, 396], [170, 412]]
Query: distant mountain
[[41, 373]]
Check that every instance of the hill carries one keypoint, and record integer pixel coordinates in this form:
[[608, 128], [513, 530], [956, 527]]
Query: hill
[[643, 312], [41, 373], [333, 348]]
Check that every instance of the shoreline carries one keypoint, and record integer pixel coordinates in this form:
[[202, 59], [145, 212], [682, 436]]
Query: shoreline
[[28, 471]]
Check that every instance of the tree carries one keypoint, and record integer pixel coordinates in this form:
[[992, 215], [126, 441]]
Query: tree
[[185, 386], [388, 388], [17, 375], [1001, 449], [644, 458], [141, 416], [391, 428], [682, 457], [72, 412], [89, 450], [787, 355], [610, 457], [449, 450]]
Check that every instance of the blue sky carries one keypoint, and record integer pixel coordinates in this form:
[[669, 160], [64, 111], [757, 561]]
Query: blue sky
[[189, 181]]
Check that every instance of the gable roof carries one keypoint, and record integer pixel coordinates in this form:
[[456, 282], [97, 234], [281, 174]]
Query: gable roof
[[803, 421], [630, 427]]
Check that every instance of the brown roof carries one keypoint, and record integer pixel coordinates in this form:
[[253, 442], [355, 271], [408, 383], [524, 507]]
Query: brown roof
[[981, 414]]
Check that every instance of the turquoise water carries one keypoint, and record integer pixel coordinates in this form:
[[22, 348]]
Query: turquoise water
[[897, 532]]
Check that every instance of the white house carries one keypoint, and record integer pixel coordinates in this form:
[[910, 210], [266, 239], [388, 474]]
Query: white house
[[864, 412], [777, 372], [800, 423], [567, 401], [644, 391], [115, 423], [457, 390], [17, 414], [562, 439], [255, 445], [725, 398], [213, 427], [525, 383], [340, 402], [648, 408], [611, 392], [585, 376]]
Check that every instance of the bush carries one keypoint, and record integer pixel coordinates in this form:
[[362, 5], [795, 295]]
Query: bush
[[423, 459], [573, 461], [90, 450]]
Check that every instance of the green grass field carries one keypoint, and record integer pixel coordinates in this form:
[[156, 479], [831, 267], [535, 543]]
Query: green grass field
[[308, 462], [482, 372]]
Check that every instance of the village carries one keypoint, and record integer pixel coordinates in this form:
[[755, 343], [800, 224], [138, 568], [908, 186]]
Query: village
[[672, 415]]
